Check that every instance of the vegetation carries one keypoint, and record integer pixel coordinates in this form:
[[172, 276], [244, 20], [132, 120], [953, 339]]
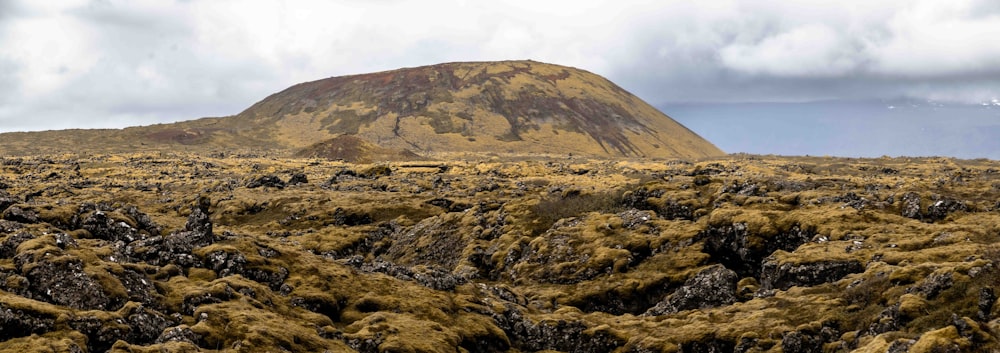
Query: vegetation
[[158, 251]]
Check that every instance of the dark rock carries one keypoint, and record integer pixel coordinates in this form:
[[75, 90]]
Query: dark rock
[[561, 335], [101, 226], [798, 342], [934, 284], [298, 178], [5, 202], [325, 305], [901, 345], [181, 333], [427, 276], [735, 248], [17, 214], [343, 218], [146, 325], [101, 334], [712, 287], [986, 300], [266, 181], [16, 322], [775, 275], [708, 345], [64, 241], [225, 263], [911, 206], [633, 218], [9, 227], [176, 248], [746, 188], [941, 208], [142, 221], [8, 248], [888, 320], [64, 283], [140, 289]]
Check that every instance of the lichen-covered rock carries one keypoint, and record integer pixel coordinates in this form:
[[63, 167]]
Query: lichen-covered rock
[[62, 281], [941, 208], [20, 215], [8, 246], [712, 287], [101, 226], [561, 335], [16, 322], [181, 333], [777, 275], [266, 181], [910, 207]]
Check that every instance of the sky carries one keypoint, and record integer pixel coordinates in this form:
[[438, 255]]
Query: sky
[[107, 63]]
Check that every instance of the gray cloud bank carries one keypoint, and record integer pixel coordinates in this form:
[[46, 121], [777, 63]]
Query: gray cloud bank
[[67, 64]]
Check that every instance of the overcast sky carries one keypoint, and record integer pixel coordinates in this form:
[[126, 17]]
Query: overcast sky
[[107, 63]]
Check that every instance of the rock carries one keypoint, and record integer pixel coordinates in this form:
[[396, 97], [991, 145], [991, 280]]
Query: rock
[[775, 275], [266, 181], [101, 226], [633, 219], [708, 345], [298, 178], [901, 345], [561, 335], [8, 226], [145, 325], [181, 333], [64, 241], [142, 221], [735, 248], [986, 300], [428, 276], [63, 282], [934, 284], [6, 201], [15, 322], [101, 334], [712, 287], [8, 248], [17, 214], [888, 320], [910, 207], [177, 247], [941, 208], [796, 342]]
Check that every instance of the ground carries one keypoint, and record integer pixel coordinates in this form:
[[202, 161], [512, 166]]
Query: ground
[[159, 251]]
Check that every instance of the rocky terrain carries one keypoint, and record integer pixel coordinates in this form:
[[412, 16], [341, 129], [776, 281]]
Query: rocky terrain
[[176, 252]]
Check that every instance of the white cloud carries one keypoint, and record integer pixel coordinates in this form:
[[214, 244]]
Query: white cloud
[[813, 50], [88, 62]]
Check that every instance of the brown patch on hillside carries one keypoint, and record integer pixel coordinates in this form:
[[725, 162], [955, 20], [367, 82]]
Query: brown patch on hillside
[[355, 150]]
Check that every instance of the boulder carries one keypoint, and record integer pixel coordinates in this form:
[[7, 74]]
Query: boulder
[[712, 287]]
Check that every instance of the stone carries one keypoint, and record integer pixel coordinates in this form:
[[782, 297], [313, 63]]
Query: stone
[[712, 287], [781, 276]]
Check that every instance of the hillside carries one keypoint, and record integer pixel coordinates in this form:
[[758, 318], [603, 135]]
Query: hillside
[[173, 252], [519, 108]]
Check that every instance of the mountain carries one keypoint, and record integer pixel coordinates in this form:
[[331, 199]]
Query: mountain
[[510, 107]]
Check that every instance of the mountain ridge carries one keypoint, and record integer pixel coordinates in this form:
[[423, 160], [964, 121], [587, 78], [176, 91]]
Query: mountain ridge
[[510, 107]]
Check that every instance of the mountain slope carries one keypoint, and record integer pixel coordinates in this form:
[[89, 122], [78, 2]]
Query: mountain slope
[[511, 107]]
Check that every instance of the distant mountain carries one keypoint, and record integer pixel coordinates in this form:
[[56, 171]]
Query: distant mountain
[[507, 108]]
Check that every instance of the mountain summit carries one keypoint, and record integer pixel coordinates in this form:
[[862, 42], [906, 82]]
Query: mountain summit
[[509, 107], [521, 107]]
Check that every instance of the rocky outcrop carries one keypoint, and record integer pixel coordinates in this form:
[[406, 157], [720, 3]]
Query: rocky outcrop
[[712, 287], [777, 275]]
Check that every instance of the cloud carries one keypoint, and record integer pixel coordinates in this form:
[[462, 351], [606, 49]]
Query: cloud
[[813, 50], [102, 63]]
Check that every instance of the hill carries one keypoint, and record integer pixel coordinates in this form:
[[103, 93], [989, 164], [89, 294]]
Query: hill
[[511, 107]]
